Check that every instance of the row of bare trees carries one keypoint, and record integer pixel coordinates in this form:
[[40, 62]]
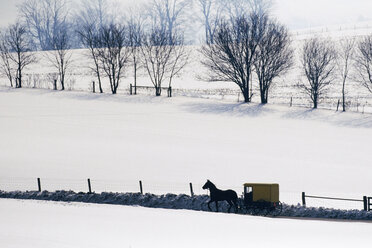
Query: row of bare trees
[[45, 18], [256, 46], [325, 62], [114, 47], [243, 43], [155, 43], [16, 54], [247, 44]]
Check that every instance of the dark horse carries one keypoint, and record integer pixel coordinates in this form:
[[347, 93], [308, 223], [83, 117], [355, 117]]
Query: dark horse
[[221, 195]]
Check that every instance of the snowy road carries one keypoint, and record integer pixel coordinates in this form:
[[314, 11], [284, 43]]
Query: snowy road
[[64, 225]]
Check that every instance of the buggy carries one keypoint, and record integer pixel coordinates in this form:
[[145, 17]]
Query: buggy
[[261, 199]]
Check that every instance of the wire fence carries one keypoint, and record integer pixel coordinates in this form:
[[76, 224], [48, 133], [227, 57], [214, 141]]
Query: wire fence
[[160, 188]]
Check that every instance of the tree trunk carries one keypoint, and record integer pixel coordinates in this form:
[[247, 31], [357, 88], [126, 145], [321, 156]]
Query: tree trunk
[[99, 79], [135, 77], [246, 95], [158, 91], [100, 85], [63, 84], [19, 71], [263, 98], [266, 96], [315, 102], [19, 78], [343, 97]]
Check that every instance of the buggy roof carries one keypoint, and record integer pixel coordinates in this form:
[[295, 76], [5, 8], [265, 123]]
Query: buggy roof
[[260, 184]]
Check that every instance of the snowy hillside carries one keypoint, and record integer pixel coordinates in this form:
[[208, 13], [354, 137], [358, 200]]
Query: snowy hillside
[[66, 137]]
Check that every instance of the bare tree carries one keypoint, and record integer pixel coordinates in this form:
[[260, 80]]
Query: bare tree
[[113, 53], [18, 44], [274, 56], [363, 62], [318, 63], [89, 38], [239, 8], [94, 12], [135, 40], [179, 58], [6, 66], [170, 15], [211, 10], [345, 58], [60, 55], [231, 57], [44, 20], [162, 59]]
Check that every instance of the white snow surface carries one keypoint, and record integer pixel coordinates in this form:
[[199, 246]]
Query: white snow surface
[[66, 137], [182, 201], [66, 225]]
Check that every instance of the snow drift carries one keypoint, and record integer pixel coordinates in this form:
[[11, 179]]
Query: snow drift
[[172, 201]]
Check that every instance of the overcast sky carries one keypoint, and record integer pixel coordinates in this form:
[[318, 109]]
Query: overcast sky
[[296, 14]]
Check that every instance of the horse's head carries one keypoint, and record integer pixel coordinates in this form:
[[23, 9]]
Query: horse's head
[[207, 185]]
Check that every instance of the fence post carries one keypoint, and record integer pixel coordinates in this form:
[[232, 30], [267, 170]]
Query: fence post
[[130, 89], [55, 84], [303, 199], [365, 203], [89, 186], [94, 87], [141, 189], [338, 104], [39, 184], [191, 190]]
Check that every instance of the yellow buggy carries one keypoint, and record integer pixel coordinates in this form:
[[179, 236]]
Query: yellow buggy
[[261, 199]]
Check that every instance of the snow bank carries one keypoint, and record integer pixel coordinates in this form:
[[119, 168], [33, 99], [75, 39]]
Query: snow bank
[[172, 201]]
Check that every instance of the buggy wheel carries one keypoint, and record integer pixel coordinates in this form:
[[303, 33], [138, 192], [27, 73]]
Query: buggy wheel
[[276, 210], [249, 210], [259, 211]]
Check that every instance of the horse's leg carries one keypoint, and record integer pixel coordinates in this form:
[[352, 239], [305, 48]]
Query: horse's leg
[[235, 201], [209, 207], [216, 206], [231, 205]]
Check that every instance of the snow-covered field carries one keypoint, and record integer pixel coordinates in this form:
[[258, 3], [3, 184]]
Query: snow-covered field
[[65, 225], [66, 137]]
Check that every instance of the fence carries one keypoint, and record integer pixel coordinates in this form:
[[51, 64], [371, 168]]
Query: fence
[[135, 87], [91, 186], [366, 200]]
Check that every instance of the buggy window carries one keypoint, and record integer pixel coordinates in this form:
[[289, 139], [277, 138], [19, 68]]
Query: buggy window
[[248, 195], [248, 190]]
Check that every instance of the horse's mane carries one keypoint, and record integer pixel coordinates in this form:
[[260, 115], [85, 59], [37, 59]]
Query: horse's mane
[[212, 185]]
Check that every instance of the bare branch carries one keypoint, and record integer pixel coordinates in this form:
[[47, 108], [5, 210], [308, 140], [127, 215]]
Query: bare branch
[[232, 56], [363, 62], [318, 63], [274, 56], [113, 52]]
